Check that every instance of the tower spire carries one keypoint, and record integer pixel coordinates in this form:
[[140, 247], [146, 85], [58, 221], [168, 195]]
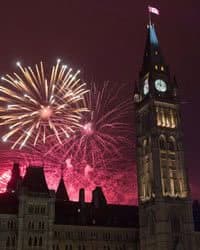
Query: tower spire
[[162, 175], [152, 54]]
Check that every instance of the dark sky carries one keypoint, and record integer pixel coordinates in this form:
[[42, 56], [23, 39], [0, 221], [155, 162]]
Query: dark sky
[[106, 40]]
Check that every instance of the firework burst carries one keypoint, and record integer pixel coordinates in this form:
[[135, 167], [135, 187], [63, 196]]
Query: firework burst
[[35, 106], [103, 134]]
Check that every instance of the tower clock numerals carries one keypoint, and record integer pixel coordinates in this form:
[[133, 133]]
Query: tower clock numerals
[[160, 85], [146, 87]]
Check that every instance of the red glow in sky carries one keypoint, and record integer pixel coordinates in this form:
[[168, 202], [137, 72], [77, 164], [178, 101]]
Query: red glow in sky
[[108, 42], [119, 186]]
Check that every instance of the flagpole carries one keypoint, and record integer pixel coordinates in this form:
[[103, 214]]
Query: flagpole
[[154, 11], [149, 17]]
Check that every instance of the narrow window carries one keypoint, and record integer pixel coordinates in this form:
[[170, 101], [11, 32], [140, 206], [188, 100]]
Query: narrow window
[[35, 241], [13, 241], [30, 242], [40, 241], [171, 144], [8, 242], [162, 143]]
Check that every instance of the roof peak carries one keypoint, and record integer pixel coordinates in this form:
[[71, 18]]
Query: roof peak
[[61, 193]]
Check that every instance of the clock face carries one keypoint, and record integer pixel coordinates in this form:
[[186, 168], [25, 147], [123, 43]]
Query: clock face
[[146, 87], [160, 85]]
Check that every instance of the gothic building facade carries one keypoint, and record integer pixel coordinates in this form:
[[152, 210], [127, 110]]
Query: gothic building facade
[[165, 209], [34, 217]]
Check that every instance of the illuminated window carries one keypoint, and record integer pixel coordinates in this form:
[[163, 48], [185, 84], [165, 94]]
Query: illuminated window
[[145, 147], [156, 67], [162, 68], [156, 52]]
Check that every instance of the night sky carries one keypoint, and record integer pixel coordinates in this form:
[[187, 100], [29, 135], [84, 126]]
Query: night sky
[[105, 39]]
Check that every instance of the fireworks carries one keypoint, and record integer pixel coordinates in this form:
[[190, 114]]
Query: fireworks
[[89, 133], [103, 135], [35, 107], [95, 155]]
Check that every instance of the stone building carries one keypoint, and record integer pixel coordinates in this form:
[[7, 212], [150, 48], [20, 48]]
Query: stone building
[[34, 217], [165, 208]]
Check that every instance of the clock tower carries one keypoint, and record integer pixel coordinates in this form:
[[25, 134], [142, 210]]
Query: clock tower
[[165, 211]]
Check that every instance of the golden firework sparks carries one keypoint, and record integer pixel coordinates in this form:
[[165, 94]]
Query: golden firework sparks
[[35, 106]]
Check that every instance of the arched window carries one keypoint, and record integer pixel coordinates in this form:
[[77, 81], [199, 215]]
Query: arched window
[[40, 241], [35, 241], [30, 242], [172, 144], [11, 224], [162, 143], [57, 247], [145, 146], [8, 242], [13, 241], [66, 247]]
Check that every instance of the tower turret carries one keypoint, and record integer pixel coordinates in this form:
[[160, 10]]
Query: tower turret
[[15, 180]]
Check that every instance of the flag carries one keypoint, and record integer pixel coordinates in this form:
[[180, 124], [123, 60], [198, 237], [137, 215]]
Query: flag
[[153, 10]]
